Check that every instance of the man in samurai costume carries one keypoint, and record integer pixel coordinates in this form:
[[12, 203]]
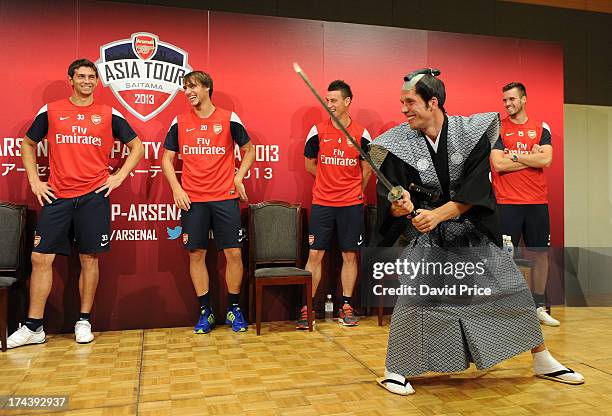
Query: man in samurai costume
[[450, 156]]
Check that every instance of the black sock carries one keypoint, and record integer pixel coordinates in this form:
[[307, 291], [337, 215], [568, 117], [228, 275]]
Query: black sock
[[346, 300], [84, 316], [539, 300], [233, 299], [34, 324], [204, 300]]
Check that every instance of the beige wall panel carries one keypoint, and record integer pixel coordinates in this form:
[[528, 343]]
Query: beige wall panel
[[588, 202]]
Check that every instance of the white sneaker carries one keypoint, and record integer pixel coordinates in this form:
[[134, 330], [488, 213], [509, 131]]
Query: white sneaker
[[23, 336], [545, 318], [82, 332]]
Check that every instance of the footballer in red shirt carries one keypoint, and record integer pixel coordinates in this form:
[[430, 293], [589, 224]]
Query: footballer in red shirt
[[75, 203], [337, 195], [518, 158], [209, 191]]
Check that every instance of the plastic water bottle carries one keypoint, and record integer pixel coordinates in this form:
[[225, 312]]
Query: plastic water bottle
[[508, 246], [329, 309]]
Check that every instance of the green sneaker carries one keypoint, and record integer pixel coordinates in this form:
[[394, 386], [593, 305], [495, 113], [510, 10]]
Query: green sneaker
[[206, 323], [235, 318]]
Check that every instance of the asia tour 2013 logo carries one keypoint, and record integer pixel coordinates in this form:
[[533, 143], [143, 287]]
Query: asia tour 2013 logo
[[143, 73]]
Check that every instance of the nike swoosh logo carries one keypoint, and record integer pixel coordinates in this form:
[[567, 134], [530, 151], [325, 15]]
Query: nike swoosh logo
[[360, 240], [64, 118], [509, 134], [188, 130], [103, 244]]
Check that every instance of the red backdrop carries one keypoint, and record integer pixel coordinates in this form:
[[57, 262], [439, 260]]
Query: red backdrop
[[146, 283]]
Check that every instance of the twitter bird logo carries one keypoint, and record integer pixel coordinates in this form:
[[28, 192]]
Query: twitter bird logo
[[174, 233]]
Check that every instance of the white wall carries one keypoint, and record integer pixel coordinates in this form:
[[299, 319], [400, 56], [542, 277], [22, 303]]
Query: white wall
[[588, 204]]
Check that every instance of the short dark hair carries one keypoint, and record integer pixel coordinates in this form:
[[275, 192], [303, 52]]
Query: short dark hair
[[343, 87], [429, 87], [519, 86], [80, 63], [203, 78]]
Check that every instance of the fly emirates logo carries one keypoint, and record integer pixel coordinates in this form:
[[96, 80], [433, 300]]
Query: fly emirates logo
[[521, 149], [338, 159], [203, 147], [79, 136]]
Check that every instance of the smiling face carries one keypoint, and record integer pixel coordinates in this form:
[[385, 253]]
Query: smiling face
[[419, 114], [196, 93], [514, 103], [337, 104], [84, 81]]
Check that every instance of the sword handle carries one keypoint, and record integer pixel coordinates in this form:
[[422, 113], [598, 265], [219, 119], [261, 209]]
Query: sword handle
[[395, 194]]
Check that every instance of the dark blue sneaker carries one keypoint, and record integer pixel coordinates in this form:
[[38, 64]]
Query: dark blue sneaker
[[235, 318], [206, 323]]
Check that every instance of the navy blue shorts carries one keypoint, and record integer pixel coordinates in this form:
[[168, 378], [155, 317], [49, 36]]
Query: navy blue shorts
[[84, 220], [531, 221], [348, 222], [223, 217]]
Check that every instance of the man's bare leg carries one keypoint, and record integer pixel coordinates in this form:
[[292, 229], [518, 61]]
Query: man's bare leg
[[233, 269], [88, 283], [198, 271], [233, 278], [41, 281], [88, 280], [313, 265], [540, 278], [348, 275]]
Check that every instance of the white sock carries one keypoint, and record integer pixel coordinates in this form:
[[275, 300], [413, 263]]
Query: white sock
[[395, 388], [544, 363]]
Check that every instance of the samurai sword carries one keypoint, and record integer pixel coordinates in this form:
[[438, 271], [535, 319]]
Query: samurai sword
[[395, 192]]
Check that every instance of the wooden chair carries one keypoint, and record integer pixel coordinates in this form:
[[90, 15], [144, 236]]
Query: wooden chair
[[12, 247], [275, 238]]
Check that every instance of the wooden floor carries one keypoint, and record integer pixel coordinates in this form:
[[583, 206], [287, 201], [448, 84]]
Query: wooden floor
[[289, 372]]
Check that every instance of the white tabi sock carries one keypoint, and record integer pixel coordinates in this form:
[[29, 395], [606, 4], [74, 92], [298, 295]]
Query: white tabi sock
[[545, 366], [395, 388], [544, 363]]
